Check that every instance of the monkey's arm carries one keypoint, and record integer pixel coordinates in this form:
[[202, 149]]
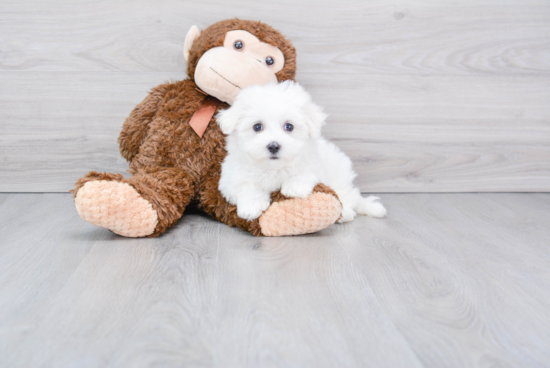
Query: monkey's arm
[[136, 126]]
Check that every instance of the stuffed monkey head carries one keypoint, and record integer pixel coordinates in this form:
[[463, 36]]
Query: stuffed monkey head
[[233, 54]]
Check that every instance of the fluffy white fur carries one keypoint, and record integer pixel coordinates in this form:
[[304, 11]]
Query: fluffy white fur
[[250, 172]]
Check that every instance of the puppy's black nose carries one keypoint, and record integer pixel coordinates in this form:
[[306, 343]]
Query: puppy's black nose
[[273, 147]]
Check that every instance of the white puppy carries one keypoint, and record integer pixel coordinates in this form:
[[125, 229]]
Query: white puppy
[[274, 142]]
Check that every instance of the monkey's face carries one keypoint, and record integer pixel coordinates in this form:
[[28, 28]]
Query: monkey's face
[[243, 59]]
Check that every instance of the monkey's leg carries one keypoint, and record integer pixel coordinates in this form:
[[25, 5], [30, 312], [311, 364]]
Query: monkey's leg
[[146, 204], [285, 216], [297, 216]]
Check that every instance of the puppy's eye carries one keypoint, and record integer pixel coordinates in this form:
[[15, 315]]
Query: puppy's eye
[[238, 45], [257, 127], [289, 127], [269, 61]]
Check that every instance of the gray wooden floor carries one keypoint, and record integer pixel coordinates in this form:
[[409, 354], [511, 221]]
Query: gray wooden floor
[[447, 280]]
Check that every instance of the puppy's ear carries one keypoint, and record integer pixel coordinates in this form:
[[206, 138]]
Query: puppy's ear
[[228, 119], [315, 119]]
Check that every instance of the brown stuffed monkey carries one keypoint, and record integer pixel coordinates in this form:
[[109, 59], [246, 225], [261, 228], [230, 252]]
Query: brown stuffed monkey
[[175, 147]]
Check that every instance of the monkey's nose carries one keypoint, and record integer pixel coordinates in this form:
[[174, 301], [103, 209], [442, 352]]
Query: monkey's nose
[[273, 147]]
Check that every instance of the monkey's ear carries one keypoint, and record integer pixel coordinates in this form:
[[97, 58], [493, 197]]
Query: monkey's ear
[[228, 119], [191, 36], [315, 119]]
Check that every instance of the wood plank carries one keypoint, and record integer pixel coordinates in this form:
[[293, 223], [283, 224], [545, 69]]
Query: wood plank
[[424, 97], [412, 37], [57, 127], [455, 280], [404, 133], [461, 269], [175, 302]]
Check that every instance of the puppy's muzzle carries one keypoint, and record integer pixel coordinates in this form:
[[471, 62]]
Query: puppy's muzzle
[[273, 148]]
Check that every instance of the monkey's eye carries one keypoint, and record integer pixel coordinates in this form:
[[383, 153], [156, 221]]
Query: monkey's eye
[[238, 45], [258, 127], [289, 127], [269, 61]]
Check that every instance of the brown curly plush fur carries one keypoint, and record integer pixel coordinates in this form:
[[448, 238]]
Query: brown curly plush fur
[[171, 166]]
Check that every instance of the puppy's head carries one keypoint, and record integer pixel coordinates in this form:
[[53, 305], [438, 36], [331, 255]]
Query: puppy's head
[[272, 122]]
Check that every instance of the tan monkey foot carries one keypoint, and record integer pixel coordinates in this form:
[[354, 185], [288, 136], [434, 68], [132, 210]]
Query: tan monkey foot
[[116, 206], [299, 216]]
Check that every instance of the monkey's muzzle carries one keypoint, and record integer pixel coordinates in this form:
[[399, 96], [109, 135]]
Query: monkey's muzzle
[[222, 73]]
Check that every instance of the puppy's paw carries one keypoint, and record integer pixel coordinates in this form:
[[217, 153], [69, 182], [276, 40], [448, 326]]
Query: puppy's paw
[[348, 214], [251, 210], [371, 207], [297, 189]]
